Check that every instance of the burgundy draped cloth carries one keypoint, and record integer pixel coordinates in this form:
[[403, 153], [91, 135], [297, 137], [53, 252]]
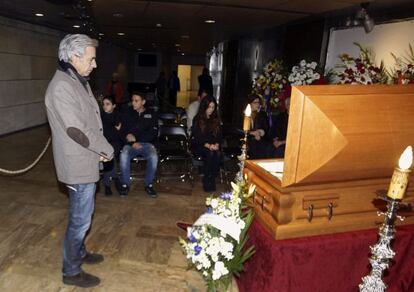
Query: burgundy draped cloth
[[334, 262]]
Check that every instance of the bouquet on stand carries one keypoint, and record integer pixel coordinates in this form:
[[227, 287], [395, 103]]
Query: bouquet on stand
[[270, 86], [361, 70], [404, 68], [216, 242]]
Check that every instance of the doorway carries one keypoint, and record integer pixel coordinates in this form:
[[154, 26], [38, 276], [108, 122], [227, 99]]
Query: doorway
[[188, 75]]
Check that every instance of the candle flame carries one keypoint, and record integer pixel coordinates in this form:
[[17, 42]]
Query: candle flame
[[248, 111], [406, 158]]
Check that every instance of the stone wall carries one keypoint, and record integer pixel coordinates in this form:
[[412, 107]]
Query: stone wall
[[28, 58]]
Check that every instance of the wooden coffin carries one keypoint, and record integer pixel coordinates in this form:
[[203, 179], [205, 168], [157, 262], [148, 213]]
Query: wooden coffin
[[342, 145]]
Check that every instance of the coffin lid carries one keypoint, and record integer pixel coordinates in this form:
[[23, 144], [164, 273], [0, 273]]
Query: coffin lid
[[347, 132]]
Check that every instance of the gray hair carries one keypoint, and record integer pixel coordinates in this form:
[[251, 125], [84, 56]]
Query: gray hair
[[75, 44]]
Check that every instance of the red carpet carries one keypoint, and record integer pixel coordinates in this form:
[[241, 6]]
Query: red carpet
[[323, 263]]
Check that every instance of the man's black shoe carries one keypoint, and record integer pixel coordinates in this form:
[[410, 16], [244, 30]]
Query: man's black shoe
[[124, 191], [92, 258], [150, 191], [108, 191], [82, 279]]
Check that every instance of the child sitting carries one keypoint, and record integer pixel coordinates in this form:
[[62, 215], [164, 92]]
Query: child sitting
[[111, 126]]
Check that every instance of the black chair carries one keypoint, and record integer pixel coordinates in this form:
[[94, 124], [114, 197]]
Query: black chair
[[168, 118], [232, 145], [173, 146]]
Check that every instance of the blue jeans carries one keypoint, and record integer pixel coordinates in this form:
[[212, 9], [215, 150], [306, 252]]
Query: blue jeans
[[82, 203], [148, 152]]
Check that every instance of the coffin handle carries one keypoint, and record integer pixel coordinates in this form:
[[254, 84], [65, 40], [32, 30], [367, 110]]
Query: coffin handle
[[263, 202], [310, 213], [330, 211]]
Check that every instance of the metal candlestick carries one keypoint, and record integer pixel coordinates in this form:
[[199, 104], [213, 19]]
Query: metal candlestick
[[381, 252], [242, 158]]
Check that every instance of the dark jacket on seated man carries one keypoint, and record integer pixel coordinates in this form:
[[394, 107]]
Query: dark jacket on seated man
[[277, 135], [144, 126]]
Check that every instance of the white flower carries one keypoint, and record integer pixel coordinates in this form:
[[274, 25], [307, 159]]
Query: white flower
[[214, 203], [219, 270], [302, 63]]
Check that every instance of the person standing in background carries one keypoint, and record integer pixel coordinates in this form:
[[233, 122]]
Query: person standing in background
[[161, 86], [205, 82], [116, 89], [78, 147], [173, 88]]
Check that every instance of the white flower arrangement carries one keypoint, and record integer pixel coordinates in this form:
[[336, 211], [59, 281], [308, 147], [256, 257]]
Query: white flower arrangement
[[304, 74], [215, 243]]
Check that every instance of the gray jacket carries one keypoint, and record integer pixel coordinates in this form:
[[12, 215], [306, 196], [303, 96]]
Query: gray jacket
[[77, 134]]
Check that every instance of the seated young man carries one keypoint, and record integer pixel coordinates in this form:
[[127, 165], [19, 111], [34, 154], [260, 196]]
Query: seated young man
[[140, 131]]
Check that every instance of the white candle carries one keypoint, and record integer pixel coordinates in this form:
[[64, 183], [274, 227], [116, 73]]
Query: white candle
[[247, 117], [399, 178]]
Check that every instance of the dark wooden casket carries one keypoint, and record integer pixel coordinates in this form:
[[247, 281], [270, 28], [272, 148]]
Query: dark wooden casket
[[343, 143]]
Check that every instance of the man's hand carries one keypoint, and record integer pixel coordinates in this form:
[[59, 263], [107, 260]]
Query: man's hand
[[131, 138], [104, 159], [118, 127], [278, 143], [136, 145], [255, 134]]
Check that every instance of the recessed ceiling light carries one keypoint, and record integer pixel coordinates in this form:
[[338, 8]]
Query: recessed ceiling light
[[139, 49], [185, 36], [182, 54], [39, 14], [177, 45], [76, 26], [158, 25], [101, 34], [121, 33], [210, 21], [118, 15]]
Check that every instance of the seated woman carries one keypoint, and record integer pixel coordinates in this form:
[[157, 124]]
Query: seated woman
[[207, 137], [258, 145]]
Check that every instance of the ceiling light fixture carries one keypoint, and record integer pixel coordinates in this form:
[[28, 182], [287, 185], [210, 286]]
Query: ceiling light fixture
[[76, 26], [177, 45], [39, 14], [121, 33], [118, 15], [101, 34], [210, 21], [158, 25], [182, 54]]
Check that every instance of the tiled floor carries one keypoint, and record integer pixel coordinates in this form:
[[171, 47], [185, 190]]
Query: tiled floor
[[137, 235]]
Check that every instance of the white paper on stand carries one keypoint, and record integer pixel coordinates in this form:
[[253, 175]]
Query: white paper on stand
[[225, 225], [274, 168]]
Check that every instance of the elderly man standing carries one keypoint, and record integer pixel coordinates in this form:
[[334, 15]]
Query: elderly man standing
[[78, 146]]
